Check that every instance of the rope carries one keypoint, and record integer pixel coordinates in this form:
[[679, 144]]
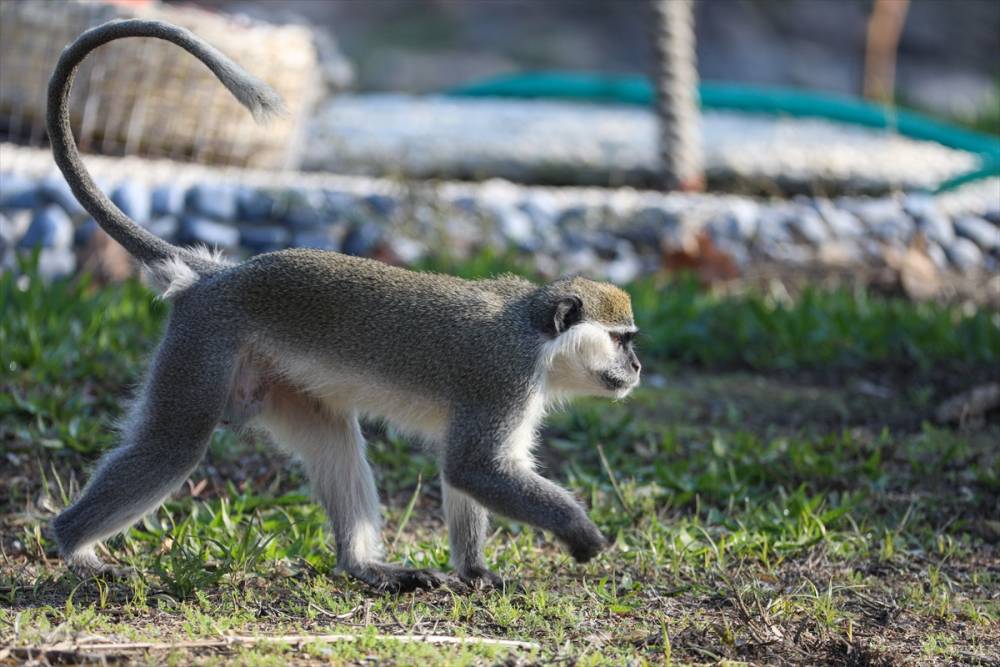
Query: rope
[[677, 94]]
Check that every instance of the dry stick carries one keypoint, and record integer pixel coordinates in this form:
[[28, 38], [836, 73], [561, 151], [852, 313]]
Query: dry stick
[[330, 614], [253, 641]]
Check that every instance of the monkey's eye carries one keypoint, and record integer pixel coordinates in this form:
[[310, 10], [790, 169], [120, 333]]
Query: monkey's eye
[[622, 339]]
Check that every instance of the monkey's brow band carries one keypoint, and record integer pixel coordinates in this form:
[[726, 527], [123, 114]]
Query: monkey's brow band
[[623, 330]]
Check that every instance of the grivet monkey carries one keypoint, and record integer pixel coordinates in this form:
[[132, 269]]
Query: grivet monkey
[[300, 343]]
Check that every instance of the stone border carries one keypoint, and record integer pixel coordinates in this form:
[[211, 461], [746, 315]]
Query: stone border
[[619, 234]]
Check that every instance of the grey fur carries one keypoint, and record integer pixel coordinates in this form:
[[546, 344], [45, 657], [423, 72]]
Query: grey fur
[[299, 343], [252, 93], [163, 438], [468, 522]]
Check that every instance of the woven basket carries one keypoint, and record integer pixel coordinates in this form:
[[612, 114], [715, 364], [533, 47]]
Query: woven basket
[[144, 96]]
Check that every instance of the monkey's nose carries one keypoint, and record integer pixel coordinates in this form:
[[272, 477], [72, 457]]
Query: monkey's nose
[[636, 366]]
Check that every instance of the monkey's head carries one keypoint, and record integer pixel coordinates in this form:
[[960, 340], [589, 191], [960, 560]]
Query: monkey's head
[[589, 332]]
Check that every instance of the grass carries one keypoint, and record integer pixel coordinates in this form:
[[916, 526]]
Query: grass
[[776, 490]]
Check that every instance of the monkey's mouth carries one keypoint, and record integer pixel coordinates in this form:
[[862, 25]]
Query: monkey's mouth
[[617, 383]]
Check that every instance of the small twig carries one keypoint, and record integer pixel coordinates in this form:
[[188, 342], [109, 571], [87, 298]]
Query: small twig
[[741, 607], [765, 618], [704, 652], [102, 648], [330, 614], [396, 620]]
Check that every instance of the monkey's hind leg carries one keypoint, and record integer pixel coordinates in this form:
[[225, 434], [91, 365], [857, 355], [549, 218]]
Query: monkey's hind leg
[[467, 524], [163, 438], [332, 449]]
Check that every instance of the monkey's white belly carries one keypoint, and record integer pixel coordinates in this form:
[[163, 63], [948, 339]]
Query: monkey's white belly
[[408, 412], [345, 391]]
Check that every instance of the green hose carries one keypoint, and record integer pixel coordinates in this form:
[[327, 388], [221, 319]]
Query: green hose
[[637, 90]]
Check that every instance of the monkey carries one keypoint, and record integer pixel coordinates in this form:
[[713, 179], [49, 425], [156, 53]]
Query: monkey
[[301, 344]]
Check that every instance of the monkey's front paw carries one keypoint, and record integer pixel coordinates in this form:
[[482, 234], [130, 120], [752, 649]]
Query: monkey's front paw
[[479, 578], [395, 579], [587, 544]]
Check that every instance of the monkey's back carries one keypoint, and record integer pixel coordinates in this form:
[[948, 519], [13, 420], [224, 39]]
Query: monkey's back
[[422, 328]]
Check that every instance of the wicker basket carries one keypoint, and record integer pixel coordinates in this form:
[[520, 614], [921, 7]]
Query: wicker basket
[[145, 96]]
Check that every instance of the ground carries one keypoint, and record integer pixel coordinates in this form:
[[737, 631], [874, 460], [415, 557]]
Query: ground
[[771, 502]]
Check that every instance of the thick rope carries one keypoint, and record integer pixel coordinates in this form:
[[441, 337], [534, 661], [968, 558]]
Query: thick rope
[[677, 94]]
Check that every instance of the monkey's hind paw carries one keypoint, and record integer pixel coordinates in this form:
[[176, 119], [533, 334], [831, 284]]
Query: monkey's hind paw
[[92, 566], [480, 579], [395, 579]]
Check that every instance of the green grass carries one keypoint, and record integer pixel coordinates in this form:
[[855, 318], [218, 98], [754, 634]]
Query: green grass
[[776, 490]]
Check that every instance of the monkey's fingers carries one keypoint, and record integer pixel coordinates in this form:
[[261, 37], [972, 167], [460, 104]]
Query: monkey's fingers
[[102, 571], [407, 580], [481, 579], [394, 579]]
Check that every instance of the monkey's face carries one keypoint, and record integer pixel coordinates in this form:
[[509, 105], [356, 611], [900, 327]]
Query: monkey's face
[[622, 375], [590, 357]]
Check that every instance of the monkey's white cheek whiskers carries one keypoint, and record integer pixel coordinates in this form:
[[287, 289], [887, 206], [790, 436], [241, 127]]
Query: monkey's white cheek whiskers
[[573, 361]]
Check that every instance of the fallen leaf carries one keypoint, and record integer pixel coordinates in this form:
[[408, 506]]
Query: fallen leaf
[[703, 258]]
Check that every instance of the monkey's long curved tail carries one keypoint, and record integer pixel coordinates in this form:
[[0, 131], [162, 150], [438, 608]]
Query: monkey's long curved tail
[[252, 93]]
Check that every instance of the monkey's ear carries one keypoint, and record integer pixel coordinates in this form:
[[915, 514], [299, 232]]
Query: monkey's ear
[[567, 312]]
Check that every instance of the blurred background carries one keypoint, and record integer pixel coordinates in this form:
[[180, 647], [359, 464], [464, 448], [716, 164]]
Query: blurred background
[[802, 198], [946, 54], [731, 138]]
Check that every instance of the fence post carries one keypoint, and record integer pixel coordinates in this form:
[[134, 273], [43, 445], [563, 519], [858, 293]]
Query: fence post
[[885, 26], [676, 81]]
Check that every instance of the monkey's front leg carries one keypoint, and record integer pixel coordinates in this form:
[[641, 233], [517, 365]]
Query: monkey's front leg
[[477, 464]]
